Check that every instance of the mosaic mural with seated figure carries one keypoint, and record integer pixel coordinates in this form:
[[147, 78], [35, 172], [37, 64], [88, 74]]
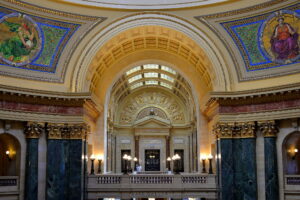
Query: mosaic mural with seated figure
[[269, 40], [32, 42]]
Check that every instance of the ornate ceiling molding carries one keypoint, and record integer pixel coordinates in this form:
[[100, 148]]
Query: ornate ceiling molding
[[144, 4]]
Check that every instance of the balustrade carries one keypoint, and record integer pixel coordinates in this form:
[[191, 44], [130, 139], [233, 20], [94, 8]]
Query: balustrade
[[8, 181], [183, 185]]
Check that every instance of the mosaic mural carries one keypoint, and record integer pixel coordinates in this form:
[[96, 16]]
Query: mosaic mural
[[20, 40], [32, 42], [268, 40]]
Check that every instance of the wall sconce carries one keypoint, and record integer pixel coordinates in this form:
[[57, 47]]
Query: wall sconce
[[294, 153], [99, 158], [203, 158], [8, 155], [127, 163], [92, 164], [210, 157], [169, 159], [135, 163], [176, 158]]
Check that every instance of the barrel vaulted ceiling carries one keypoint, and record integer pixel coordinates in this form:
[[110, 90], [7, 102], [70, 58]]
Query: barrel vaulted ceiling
[[241, 35]]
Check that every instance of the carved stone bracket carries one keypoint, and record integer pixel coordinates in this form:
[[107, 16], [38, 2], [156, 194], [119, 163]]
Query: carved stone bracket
[[268, 128], [34, 129], [67, 131]]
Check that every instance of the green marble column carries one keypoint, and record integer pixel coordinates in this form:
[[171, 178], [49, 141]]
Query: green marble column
[[237, 167], [269, 130], [224, 133], [32, 132], [64, 161]]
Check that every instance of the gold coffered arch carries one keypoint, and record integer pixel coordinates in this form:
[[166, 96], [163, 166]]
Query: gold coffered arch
[[155, 38], [162, 39]]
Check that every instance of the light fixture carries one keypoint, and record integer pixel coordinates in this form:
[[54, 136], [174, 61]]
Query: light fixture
[[92, 164], [127, 159], [169, 159], [293, 153], [176, 159], [8, 155], [203, 158], [99, 158], [210, 157]]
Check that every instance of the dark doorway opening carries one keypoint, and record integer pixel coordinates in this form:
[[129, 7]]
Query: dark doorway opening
[[152, 160]]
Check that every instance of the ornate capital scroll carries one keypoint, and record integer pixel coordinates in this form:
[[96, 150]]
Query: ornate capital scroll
[[34, 129], [247, 129], [224, 130], [67, 131], [268, 128], [235, 130]]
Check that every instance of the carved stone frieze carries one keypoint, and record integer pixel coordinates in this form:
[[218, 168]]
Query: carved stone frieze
[[34, 129], [67, 131], [268, 128]]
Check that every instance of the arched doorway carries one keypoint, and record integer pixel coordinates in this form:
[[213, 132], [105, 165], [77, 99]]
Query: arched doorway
[[9, 155], [291, 150]]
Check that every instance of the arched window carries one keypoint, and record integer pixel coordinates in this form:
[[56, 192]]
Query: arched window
[[290, 150], [9, 155]]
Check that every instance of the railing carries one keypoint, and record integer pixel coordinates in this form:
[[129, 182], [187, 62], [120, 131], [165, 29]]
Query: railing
[[291, 186], [145, 185], [9, 187], [151, 179]]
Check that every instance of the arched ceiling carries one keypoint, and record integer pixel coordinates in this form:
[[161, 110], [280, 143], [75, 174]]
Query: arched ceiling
[[157, 39]]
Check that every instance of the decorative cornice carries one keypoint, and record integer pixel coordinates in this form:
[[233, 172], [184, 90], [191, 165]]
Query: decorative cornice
[[34, 129], [67, 131], [268, 128], [266, 95], [30, 96]]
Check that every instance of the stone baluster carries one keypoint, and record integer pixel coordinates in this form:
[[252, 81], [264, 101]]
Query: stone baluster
[[270, 130], [32, 132]]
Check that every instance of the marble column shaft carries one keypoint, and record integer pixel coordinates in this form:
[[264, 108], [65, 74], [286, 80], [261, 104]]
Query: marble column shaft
[[226, 169], [271, 171], [269, 130], [32, 131], [31, 169], [64, 163], [237, 146]]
